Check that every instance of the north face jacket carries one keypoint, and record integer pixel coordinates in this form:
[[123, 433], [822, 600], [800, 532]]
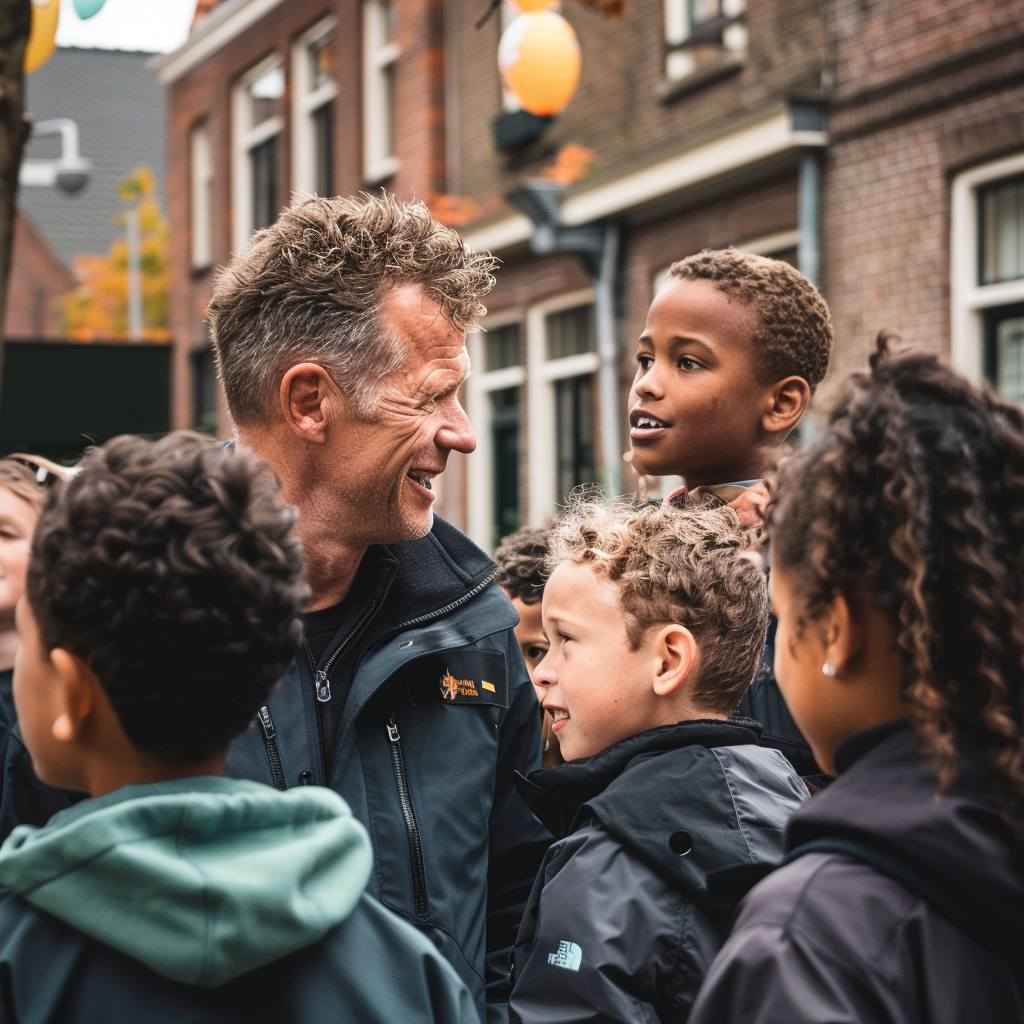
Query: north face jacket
[[209, 901], [438, 715], [618, 928], [830, 938]]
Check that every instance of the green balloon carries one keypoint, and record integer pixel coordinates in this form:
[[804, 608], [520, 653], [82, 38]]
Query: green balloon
[[87, 8]]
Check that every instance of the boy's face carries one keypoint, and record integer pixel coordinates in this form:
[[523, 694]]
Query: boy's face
[[597, 688], [698, 400], [37, 698], [530, 634]]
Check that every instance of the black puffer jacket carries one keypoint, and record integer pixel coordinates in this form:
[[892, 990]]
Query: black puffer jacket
[[830, 938], [617, 927]]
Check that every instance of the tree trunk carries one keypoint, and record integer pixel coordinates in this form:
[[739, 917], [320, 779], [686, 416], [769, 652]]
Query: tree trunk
[[15, 23]]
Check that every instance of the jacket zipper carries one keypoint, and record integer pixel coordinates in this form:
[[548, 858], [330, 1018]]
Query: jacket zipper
[[419, 875], [322, 684], [270, 742]]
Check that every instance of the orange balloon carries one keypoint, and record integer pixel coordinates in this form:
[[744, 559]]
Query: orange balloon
[[41, 41], [532, 6], [539, 60]]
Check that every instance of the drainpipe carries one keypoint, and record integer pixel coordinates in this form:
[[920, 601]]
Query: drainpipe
[[809, 191], [596, 246], [608, 353]]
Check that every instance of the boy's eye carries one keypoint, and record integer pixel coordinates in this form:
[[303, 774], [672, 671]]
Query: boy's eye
[[686, 363], [536, 653], [645, 362]]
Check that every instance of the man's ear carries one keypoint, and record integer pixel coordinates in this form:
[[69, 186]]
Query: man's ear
[[675, 654], [789, 400], [310, 400], [77, 685], [844, 634]]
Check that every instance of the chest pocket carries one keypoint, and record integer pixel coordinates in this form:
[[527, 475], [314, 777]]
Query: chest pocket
[[458, 677]]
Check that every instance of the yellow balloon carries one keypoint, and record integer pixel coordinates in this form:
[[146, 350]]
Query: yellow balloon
[[539, 60], [41, 41], [532, 6]]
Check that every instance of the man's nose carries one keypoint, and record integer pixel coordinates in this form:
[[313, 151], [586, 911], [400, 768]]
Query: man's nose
[[456, 432]]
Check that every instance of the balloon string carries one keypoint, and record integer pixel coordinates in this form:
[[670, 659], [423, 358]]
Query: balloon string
[[495, 4]]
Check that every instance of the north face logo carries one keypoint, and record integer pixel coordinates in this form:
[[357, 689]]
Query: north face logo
[[568, 955]]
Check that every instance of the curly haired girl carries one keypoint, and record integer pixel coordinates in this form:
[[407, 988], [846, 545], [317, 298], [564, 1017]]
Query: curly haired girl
[[897, 547]]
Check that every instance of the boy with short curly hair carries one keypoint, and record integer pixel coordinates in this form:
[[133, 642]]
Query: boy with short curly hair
[[656, 619], [733, 349], [163, 603]]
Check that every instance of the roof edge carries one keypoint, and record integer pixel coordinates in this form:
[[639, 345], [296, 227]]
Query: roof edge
[[225, 22]]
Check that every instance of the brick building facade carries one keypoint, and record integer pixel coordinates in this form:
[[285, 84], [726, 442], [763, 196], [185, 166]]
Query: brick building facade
[[877, 145]]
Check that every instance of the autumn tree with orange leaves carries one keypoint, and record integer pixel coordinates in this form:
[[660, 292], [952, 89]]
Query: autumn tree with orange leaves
[[97, 310]]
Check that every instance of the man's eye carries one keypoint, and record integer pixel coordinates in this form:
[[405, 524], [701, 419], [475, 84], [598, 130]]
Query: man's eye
[[686, 363]]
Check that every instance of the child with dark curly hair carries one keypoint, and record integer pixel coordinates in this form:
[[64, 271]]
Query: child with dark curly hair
[[897, 547], [732, 352], [163, 604], [521, 574], [656, 618]]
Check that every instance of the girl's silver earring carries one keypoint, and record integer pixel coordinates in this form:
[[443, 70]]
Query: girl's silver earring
[[828, 669]]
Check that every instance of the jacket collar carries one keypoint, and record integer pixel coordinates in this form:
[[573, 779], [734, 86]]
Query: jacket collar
[[556, 795]]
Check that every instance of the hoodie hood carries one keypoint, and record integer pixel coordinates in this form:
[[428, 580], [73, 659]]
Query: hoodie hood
[[687, 799], [886, 794], [201, 879]]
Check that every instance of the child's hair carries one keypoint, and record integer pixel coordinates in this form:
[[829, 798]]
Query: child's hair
[[29, 477], [915, 496], [795, 336], [692, 567], [172, 570], [520, 558]]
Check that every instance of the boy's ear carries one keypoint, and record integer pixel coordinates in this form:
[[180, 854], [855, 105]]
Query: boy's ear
[[77, 694], [789, 400], [675, 654]]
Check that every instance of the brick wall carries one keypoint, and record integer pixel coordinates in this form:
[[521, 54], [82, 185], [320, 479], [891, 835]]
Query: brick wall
[[617, 110], [38, 278]]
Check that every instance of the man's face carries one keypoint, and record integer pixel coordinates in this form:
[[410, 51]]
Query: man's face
[[697, 400], [382, 469]]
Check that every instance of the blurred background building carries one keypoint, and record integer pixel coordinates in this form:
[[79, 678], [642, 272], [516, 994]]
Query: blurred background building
[[877, 145]]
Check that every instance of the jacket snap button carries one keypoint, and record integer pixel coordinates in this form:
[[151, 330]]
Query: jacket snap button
[[680, 842], [405, 643], [306, 779]]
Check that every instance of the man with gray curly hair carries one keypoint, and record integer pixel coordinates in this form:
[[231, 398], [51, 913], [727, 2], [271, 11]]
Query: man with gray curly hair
[[340, 339]]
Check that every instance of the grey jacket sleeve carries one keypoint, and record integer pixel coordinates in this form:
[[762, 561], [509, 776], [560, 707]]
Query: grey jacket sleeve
[[605, 940]]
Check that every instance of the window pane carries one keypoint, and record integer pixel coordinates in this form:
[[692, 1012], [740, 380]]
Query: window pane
[[321, 61], [387, 110], [702, 11], [264, 94], [1002, 230], [501, 347], [505, 440], [323, 150], [574, 433], [264, 183], [204, 391], [571, 332], [1010, 359]]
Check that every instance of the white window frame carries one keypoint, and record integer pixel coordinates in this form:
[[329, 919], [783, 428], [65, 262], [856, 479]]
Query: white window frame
[[379, 57], [479, 387], [305, 102], [969, 299], [541, 374], [680, 64], [200, 195], [245, 138]]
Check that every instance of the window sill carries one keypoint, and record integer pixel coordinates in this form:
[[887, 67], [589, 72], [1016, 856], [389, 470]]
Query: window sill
[[382, 170], [723, 66]]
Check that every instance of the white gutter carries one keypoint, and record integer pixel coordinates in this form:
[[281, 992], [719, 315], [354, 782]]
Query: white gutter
[[224, 23], [773, 137]]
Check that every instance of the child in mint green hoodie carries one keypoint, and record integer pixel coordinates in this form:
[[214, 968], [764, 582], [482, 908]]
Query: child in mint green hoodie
[[163, 601]]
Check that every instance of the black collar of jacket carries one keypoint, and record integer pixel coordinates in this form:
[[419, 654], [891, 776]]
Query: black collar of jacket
[[646, 789], [426, 577]]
